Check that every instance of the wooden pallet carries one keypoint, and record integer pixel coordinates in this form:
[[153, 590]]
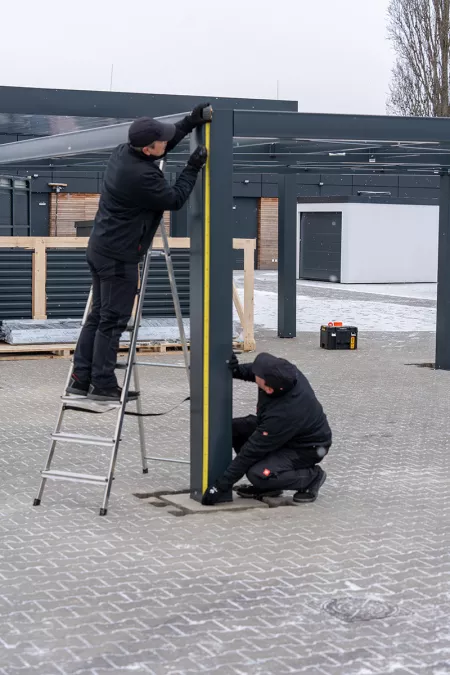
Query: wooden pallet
[[64, 351]]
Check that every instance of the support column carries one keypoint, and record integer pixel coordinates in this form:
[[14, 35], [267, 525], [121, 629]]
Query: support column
[[211, 308], [287, 256], [179, 223], [443, 290], [179, 220]]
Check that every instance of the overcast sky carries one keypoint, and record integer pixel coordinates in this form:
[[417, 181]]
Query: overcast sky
[[330, 55]]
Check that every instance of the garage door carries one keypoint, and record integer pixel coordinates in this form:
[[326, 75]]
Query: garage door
[[320, 246]]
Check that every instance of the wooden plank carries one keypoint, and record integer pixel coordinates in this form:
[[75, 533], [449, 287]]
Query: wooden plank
[[49, 242], [82, 242], [249, 295], [66, 242], [39, 278], [55, 350], [242, 243], [238, 305]]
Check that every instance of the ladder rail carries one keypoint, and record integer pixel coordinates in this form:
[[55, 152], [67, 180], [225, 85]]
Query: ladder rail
[[141, 427], [59, 420], [176, 300], [126, 383]]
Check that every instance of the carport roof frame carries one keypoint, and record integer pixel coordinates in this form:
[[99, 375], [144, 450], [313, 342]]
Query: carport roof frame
[[279, 143]]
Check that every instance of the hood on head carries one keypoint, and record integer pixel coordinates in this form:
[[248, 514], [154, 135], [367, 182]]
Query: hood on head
[[277, 373]]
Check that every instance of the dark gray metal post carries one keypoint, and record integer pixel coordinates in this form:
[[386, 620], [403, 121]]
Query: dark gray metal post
[[212, 310], [178, 219], [443, 290], [287, 256], [179, 223]]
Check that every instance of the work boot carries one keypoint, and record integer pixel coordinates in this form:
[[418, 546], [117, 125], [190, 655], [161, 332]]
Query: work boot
[[110, 395], [310, 493], [252, 492], [77, 386]]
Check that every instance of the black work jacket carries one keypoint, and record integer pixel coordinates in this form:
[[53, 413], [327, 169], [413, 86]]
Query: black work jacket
[[133, 199], [294, 420]]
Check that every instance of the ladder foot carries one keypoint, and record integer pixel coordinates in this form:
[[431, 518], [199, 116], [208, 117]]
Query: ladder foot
[[145, 470], [36, 502], [103, 512]]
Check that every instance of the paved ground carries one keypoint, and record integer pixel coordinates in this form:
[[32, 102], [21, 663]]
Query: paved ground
[[287, 590]]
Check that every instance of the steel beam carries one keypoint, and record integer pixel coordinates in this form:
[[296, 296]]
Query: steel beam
[[82, 103], [73, 143], [287, 256], [371, 128], [443, 291], [212, 311], [323, 168]]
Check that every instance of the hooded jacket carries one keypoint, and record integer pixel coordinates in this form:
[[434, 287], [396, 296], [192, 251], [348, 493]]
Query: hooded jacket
[[291, 418], [134, 196]]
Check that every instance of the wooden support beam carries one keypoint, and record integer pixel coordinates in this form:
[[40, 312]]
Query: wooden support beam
[[238, 305], [39, 278], [249, 295], [82, 242]]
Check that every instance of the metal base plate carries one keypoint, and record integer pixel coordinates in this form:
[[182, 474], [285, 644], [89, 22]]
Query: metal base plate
[[188, 505]]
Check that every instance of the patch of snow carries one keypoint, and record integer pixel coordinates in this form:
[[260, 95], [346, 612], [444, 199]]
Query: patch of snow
[[352, 587], [132, 666], [417, 291], [313, 312], [367, 316]]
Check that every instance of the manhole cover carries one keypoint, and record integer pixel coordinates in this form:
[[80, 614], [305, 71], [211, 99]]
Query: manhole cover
[[359, 609]]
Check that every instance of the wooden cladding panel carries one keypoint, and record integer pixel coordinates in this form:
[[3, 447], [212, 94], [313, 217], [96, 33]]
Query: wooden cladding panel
[[74, 207]]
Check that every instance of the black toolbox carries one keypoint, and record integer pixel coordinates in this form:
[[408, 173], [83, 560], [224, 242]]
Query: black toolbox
[[337, 336]]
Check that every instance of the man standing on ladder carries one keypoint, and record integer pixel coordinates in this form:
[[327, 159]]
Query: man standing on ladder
[[134, 197]]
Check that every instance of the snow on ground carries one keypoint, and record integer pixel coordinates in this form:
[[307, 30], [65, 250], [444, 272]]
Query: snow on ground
[[314, 311], [417, 291]]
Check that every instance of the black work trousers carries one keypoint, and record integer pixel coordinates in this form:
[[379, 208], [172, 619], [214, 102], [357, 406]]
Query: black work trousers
[[279, 469], [114, 286]]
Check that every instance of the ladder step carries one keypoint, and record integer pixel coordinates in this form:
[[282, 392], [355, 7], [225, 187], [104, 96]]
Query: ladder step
[[79, 438], [76, 477], [88, 403], [159, 365]]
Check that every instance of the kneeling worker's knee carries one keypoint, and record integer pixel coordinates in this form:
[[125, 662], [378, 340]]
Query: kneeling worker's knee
[[259, 477]]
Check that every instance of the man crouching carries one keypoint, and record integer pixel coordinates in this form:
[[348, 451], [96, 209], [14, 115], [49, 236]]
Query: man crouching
[[281, 446]]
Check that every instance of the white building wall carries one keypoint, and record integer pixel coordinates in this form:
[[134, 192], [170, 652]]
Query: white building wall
[[390, 243], [384, 243]]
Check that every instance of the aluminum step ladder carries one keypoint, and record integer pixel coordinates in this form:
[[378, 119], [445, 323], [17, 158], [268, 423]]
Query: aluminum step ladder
[[131, 369]]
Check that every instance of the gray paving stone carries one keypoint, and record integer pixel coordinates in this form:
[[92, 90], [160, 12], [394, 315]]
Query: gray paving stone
[[239, 593]]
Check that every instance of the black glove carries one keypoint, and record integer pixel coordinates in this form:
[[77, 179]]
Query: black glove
[[198, 158], [211, 496], [233, 364], [196, 116]]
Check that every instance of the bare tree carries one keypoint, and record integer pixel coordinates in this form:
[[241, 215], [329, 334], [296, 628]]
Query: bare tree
[[419, 32]]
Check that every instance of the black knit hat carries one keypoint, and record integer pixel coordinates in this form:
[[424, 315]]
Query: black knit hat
[[145, 131], [277, 373]]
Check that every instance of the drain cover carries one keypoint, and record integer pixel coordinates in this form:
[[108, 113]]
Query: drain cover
[[359, 609]]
